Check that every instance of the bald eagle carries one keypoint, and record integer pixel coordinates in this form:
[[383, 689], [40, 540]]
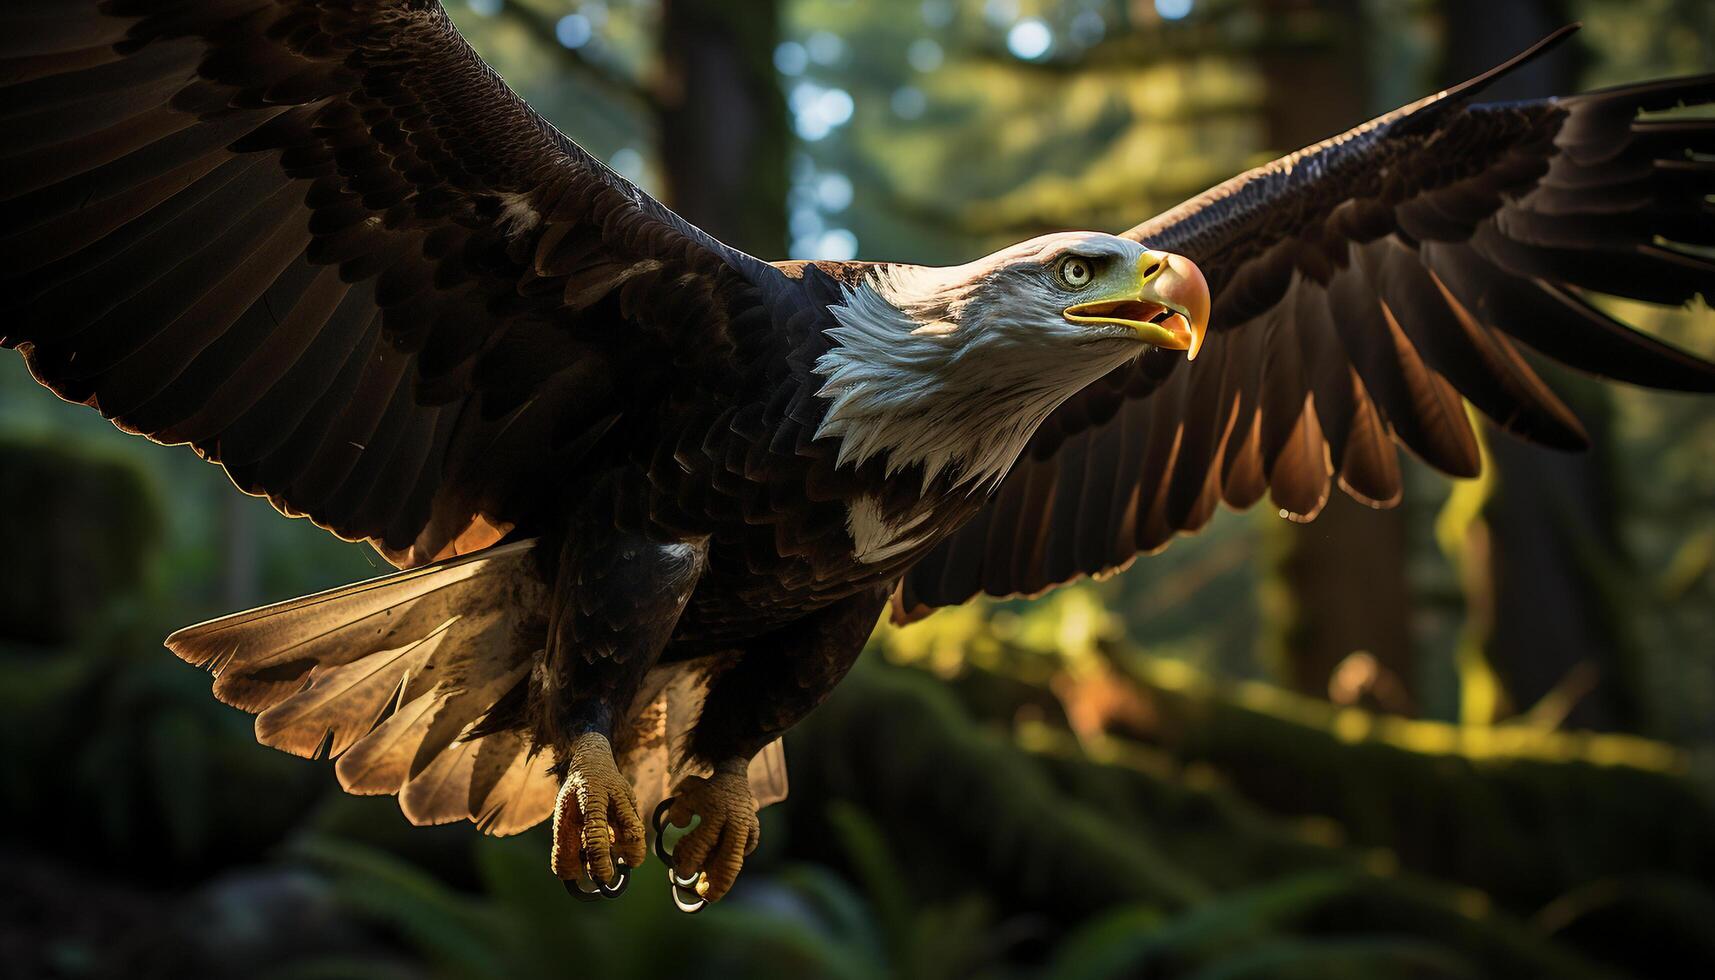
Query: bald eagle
[[648, 494]]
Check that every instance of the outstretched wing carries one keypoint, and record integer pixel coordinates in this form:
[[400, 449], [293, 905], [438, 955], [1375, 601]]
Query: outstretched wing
[[323, 243], [1364, 288]]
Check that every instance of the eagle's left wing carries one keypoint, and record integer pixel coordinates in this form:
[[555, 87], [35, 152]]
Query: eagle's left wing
[[324, 244], [1363, 289]]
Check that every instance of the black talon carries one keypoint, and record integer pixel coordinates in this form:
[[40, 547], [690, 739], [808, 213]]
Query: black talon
[[575, 888], [621, 881], [659, 820], [660, 817]]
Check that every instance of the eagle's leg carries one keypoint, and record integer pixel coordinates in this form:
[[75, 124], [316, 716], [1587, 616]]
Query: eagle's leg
[[708, 858], [596, 826], [780, 678], [616, 599]]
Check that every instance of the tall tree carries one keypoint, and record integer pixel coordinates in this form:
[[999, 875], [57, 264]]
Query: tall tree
[[1545, 553], [1339, 582], [724, 135], [694, 77]]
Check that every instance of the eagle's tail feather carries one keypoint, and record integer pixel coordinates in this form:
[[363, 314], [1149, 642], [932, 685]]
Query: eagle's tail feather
[[400, 680], [393, 677]]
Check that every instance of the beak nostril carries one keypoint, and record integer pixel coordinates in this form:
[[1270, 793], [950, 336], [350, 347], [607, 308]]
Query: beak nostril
[[1153, 268]]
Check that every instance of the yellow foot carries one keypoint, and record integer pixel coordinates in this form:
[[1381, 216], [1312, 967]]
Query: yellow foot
[[595, 818], [714, 850]]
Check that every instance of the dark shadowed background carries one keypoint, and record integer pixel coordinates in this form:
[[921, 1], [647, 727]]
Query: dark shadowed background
[[1468, 737]]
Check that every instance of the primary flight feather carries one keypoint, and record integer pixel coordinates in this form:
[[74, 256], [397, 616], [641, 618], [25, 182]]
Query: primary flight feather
[[650, 493]]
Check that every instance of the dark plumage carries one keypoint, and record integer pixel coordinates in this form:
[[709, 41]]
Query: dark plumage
[[323, 244]]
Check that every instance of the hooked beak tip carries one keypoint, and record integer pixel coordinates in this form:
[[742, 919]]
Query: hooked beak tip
[[1180, 286]]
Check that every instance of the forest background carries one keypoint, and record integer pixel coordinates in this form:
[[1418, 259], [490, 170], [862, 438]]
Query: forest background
[[1471, 736]]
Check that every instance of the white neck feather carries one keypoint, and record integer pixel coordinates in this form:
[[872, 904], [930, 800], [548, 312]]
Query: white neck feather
[[931, 369]]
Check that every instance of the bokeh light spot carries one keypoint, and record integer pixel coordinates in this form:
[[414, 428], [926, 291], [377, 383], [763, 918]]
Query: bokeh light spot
[[628, 163], [573, 30], [834, 192], [825, 47], [1088, 28], [1029, 39], [1000, 13], [924, 55], [937, 13], [790, 58], [838, 244], [817, 111]]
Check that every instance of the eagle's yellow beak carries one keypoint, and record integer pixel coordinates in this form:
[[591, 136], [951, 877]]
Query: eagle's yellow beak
[[1168, 307]]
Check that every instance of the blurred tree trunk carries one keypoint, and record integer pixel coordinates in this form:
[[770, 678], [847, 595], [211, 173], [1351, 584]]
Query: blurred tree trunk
[[1344, 601], [1546, 548], [724, 135], [717, 104], [1338, 583]]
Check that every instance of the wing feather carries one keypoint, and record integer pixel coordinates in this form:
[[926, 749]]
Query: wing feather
[[323, 243], [1369, 468]]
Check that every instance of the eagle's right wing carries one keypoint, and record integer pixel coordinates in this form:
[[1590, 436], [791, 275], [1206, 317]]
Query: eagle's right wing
[[1364, 288], [322, 242]]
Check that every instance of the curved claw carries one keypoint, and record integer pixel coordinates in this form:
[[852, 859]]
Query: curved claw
[[576, 890], [685, 896], [659, 819], [659, 822], [686, 899], [621, 881]]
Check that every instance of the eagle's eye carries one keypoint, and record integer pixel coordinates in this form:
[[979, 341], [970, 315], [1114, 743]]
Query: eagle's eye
[[1076, 272]]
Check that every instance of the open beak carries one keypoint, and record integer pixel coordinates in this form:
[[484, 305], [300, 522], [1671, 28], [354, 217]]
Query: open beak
[[1169, 306]]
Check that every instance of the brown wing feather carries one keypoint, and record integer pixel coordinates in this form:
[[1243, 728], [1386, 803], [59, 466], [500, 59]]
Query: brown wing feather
[[323, 243]]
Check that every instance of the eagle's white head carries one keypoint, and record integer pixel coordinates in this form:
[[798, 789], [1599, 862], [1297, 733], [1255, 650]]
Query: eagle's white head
[[955, 367]]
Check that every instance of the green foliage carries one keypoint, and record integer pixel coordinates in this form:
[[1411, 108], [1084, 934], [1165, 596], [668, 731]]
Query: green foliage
[[1517, 810], [524, 926], [1258, 872], [1130, 941]]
